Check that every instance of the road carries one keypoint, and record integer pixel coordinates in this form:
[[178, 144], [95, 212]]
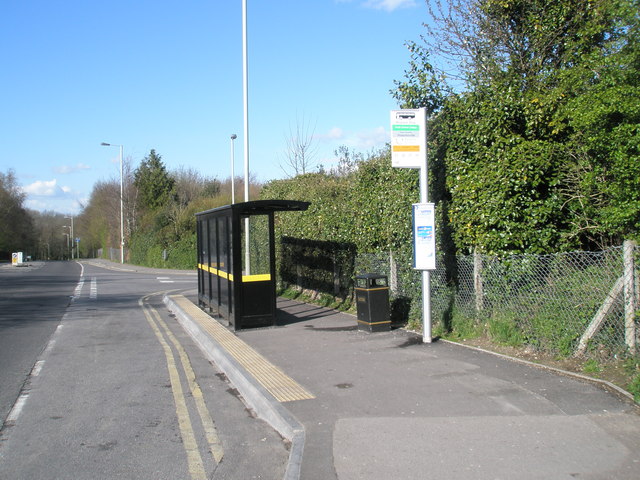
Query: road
[[33, 300], [98, 381]]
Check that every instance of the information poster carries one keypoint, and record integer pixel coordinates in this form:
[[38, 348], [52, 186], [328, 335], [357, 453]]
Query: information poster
[[424, 236], [16, 258], [408, 138]]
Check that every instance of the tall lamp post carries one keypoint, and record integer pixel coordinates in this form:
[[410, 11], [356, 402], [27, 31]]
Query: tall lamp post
[[67, 235], [245, 97], [233, 174], [68, 239], [104, 144], [70, 217]]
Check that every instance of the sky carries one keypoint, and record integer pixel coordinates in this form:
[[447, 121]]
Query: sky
[[167, 75]]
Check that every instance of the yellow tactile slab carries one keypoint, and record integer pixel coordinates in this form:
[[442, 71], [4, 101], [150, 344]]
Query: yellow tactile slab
[[281, 386]]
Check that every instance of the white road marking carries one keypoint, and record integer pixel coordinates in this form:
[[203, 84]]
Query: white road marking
[[78, 291], [17, 408], [37, 368], [93, 294]]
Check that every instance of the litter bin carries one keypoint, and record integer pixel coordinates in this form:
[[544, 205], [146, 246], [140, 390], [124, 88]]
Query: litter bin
[[372, 300]]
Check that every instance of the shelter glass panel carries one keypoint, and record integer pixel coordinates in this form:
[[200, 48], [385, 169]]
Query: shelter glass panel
[[202, 240], [225, 268], [256, 259], [212, 262]]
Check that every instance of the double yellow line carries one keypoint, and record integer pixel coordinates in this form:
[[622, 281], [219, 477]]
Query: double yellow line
[[194, 458]]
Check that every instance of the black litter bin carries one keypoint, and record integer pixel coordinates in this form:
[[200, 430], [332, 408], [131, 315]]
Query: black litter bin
[[372, 300]]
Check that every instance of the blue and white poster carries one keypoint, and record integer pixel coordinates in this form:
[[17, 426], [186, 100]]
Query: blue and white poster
[[424, 236]]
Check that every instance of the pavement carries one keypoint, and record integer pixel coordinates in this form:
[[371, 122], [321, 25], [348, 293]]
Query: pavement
[[375, 406]]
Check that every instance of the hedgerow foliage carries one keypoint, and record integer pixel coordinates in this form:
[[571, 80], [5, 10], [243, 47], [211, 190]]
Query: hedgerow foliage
[[540, 150], [369, 207]]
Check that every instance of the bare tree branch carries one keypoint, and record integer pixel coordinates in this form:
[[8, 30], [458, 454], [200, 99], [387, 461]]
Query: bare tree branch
[[300, 148]]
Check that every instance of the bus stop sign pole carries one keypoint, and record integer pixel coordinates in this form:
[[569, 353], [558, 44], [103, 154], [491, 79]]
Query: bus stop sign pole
[[409, 150]]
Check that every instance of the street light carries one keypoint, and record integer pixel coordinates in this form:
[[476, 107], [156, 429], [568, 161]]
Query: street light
[[70, 217], [68, 248], [233, 175], [68, 238], [245, 97], [104, 144]]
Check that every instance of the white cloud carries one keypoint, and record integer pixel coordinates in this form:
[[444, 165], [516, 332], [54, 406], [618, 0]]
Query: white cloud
[[389, 5], [334, 133], [53, 204], [360, 140], [39, 205], [371, 138], [51, 195], [64, 169], [42, 188], [47, 195]]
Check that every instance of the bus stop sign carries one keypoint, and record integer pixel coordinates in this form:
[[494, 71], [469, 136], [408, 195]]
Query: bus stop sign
[[408, 138]]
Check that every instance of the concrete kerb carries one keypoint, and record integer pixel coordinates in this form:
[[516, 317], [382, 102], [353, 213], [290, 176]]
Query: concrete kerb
[[129, 267], [255, 395]]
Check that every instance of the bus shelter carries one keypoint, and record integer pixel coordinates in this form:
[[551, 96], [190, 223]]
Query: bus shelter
[[236, 261]]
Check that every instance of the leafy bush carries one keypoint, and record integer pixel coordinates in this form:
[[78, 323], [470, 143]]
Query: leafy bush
[[182, 254], [145, 248]]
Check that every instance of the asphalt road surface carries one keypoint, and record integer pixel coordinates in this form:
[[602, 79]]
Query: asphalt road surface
[[98, 381], [33, 300]]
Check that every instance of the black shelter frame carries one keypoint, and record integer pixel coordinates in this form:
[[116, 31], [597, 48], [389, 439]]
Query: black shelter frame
[[236, 261]]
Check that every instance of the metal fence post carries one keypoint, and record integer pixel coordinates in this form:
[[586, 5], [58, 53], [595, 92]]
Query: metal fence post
[[393, 273], [630, 305], [477, 280]]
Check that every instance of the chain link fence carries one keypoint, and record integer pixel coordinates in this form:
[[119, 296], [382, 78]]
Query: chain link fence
[[110, 253], [580, 303]]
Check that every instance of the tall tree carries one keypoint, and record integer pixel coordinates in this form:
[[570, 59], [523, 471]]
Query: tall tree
[[130, 198], [301, 148], [53, 233], [189, 186], [99, 222], [422, 86], [155, 185], [16, 224], [601, 120]]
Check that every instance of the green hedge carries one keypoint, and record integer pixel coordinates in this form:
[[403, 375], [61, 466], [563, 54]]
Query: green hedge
[[369, 208], [145, 249]]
